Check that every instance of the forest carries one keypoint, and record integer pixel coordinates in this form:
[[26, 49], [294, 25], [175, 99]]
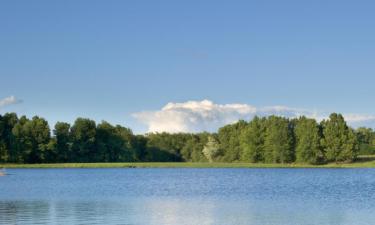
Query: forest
[[270, 139]]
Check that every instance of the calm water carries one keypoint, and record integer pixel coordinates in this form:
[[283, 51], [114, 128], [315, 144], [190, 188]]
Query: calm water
[[188, 196]]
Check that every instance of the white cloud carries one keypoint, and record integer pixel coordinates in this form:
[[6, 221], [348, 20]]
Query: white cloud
[[11, 100], [196, 116], [358, 118], [193, 116]]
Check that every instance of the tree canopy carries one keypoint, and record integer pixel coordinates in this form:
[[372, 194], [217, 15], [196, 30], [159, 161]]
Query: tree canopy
[[339, 140], [270, 139]]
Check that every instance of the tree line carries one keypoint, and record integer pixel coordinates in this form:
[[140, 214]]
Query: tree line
[[270, 139]]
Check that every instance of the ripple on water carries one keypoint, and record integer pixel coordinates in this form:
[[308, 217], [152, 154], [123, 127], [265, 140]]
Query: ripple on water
[[188, 196]]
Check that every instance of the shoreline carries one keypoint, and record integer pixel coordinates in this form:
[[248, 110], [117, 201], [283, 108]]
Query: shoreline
[[367, 164]]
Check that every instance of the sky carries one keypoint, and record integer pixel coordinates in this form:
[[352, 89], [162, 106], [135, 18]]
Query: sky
[[187, 65]]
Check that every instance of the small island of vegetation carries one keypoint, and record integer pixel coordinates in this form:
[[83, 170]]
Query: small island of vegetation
[[262, 142]]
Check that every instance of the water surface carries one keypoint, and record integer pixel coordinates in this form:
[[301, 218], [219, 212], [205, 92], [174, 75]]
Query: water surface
[[188, 196]]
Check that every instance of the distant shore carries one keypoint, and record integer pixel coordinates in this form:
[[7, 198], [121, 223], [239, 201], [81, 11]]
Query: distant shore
[[362, 162]]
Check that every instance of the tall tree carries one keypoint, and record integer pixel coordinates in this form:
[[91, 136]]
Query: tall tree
[[128, 153], [21, 145], [278, 144], [108, 143], [212, 149], [83, 134], [273, 139], [252, 141], [9, 120], [308, 137], [197, 154], [229, 138], [33, 137], [188, 148], [192, 150], [4, 154], [366, 140], [165, 146], [63, 142], [140, 148], [339, 141]]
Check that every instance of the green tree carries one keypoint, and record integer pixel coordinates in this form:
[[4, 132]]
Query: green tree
[[140, 148], [63, 142], [229, 138], [21, 146], [278, 143], [165, 147], [128, 152], [252, 141], [83, 134], [4, 154], [212, 149], [192, 150], [8, 144], [197, 154], [109, 144], [308, 137], [188, 148], [273, 140], [339, 141], [114, 143], [33, 137], [366, 141]]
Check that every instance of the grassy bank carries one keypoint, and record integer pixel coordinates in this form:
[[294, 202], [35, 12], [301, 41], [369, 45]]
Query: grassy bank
[[362, 162]]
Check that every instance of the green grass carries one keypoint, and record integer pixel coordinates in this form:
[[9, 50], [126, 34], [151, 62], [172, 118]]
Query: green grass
[[362, 162]]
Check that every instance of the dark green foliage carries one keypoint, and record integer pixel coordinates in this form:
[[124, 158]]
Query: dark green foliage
[[308, 136], [139, 146], [125, 136], [278, 141], [270, 139], [63, 142], [113, 143], [32, 140], [83, 134], [339, 141], [252, 141], [165, 147], [230, 141], [366, 139], [192, 150], [8, 143], [3, 151], [4, 154]]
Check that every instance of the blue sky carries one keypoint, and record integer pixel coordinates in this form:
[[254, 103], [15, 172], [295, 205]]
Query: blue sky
[[115, 59]]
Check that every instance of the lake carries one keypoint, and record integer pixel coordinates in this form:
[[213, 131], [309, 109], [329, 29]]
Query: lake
[[188, 196]]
